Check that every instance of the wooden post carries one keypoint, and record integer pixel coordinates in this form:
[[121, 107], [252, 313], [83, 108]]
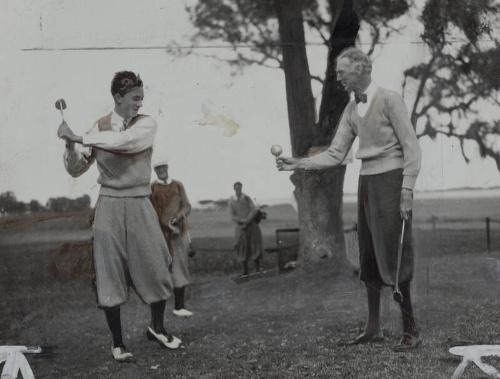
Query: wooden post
[[488, 237]]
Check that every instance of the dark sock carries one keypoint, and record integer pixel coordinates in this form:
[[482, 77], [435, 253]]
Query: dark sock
[[373, 293], [157, 313], [409, 324], [179, 297], [114, 323], [257, 265]]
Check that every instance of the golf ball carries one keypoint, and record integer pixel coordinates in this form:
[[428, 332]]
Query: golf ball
[[276, 150]]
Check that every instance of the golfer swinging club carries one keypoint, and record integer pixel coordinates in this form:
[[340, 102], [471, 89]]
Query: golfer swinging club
[[129, 248], [390, 156]]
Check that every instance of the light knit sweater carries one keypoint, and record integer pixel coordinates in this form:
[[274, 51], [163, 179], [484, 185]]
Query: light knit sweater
[[387, 140], [123, 157]]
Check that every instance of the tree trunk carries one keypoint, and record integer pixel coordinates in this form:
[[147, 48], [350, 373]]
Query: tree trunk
[[318, 193], [300, 101]]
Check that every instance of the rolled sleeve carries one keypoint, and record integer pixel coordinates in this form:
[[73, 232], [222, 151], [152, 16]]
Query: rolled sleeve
[[76, 161]]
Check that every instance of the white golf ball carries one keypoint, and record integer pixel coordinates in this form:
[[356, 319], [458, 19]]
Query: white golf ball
[[276, 150]]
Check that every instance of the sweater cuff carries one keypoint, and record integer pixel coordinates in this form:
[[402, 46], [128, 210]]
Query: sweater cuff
[[409, 181]]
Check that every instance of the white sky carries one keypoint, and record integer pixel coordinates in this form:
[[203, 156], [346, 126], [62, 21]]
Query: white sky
[[205, 160]]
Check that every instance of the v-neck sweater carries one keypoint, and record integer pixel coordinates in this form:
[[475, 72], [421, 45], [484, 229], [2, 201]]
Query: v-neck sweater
[[387, 140]]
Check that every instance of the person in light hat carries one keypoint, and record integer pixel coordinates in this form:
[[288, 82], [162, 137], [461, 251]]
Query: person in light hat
[[128, 246], [171, 203]]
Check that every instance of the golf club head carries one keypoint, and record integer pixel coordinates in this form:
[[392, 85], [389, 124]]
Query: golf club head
[[397, 296], [60, 104], [47, 351]]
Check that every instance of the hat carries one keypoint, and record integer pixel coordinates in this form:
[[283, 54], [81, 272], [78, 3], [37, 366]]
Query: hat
[[162, 162]]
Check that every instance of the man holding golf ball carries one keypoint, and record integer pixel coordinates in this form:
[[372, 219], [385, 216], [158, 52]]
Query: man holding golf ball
[[390, 155], [129, 247]]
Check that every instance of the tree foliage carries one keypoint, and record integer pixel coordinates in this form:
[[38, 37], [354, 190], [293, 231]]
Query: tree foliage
[[460, 79]]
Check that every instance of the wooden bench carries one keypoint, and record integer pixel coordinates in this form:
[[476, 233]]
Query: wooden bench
[[287, 247]]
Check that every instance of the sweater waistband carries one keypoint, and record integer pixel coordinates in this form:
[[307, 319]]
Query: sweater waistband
[[139, 191]]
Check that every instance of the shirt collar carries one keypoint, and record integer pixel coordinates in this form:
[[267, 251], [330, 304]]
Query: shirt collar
[[117, 120], [169, 180], [370, 91]]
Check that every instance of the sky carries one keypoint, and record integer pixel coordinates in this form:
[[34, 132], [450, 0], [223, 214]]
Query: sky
[[176, 90]]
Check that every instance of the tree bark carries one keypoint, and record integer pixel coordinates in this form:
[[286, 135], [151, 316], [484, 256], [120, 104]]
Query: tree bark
[[299, 96], [318, 193]]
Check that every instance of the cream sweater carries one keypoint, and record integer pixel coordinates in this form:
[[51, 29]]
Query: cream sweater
[[387, 140]]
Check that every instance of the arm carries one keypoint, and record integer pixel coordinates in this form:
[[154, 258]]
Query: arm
[[77, 162], [232, 213], [398, 115], [333, 156], [137, 138], [186, 205]]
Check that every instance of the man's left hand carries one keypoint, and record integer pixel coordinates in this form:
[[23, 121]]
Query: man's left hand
[[65, 132], [406, 203]]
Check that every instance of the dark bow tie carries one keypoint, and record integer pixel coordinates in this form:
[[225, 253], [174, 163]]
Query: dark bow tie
[[360, 98]]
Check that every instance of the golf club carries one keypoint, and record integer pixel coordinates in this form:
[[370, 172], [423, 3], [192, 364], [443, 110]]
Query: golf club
[[396, 294]]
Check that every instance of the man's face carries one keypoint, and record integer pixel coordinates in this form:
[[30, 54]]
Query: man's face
[[131, 102], [162, 172], [237, 189], [349, 74]]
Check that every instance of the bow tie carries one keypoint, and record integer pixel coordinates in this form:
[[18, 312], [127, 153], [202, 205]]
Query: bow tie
[[360, 98]]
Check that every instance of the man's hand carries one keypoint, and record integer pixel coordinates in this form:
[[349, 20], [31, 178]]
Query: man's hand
[[287, 163], [65, 132], [406, 202]]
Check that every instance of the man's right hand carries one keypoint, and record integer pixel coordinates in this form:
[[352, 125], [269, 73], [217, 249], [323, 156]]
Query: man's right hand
[[287, 163]]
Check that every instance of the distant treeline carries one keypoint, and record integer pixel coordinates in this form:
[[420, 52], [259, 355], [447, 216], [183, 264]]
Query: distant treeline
[[9, 204], [222, 203]]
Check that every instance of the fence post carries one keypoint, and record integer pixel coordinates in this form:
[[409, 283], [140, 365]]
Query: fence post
[[488, 237]]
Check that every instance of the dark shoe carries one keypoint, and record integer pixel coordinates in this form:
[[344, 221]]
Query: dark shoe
[[164, 339], [367, 338], [408, 342]]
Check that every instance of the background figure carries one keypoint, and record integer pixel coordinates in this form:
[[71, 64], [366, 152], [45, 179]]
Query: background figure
[[390, 162], [128, 246], [248, 236], [172, 206]]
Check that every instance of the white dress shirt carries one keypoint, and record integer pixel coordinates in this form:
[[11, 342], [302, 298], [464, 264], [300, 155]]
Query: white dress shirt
[[361, 107]]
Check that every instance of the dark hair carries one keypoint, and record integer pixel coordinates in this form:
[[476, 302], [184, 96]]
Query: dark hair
[[237, 184], [124, 81]]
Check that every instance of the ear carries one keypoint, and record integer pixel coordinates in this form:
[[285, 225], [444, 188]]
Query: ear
[[358, 67], [118, 98]]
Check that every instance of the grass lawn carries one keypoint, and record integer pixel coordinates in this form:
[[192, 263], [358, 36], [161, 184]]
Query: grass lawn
[[282, 326]]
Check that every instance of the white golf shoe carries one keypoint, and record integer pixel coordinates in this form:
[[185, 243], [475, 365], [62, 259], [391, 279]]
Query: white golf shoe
[[164, 339], [182, 312], [120, 354]]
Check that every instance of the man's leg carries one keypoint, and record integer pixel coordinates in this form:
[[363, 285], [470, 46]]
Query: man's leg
[[409, 324], [118, 350], [245, 268], [410, 339], [157, 315], [179, 297], [257, 265], [372, 332], [113, 319]]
